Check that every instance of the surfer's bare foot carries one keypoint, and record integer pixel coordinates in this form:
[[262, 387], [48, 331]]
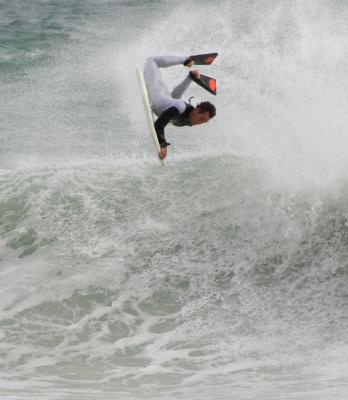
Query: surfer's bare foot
[[196, 73], [189, 62]]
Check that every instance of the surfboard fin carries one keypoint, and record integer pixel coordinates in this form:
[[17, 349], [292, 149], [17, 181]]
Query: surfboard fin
[[206, 82], [202, 59]]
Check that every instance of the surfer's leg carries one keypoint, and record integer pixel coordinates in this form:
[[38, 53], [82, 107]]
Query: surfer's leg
[[179, 90], [158, 91], [159, 94], [168, 61]]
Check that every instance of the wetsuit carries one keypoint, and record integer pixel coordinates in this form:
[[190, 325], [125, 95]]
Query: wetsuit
[[167, 106]]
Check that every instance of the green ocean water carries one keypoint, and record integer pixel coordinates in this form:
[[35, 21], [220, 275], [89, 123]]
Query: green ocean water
[[222, 275]]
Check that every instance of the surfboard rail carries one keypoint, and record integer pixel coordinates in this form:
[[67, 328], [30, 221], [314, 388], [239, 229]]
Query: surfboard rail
[[148, 112]]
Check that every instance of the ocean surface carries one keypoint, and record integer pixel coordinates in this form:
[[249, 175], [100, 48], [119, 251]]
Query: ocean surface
[[223, 275]]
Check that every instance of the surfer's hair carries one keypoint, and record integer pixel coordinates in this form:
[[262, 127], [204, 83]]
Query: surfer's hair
[[207, 106]]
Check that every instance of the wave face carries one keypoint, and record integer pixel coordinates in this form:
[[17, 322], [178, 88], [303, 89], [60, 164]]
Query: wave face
[[224, 274]]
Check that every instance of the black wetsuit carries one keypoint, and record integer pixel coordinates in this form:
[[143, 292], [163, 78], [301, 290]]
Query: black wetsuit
[[173, 116]]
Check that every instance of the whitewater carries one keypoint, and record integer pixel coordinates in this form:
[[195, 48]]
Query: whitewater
[[224, 274]]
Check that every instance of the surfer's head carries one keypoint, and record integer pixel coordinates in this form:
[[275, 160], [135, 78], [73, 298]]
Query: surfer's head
[[202, 113]]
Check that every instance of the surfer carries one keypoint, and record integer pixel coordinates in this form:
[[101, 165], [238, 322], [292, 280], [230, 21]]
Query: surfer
[[168, 106]]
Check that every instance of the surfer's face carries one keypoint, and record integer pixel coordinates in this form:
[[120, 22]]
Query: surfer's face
[[196, 117]]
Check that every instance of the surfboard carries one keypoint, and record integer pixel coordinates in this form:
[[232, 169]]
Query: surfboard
[[148, 112]]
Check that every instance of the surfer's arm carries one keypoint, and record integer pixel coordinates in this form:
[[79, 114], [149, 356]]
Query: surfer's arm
[[162, 122]]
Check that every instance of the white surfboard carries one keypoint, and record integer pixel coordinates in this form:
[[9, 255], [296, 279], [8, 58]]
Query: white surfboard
[[148, 111]]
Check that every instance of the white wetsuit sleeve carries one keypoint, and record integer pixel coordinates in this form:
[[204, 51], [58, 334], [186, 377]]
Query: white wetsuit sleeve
[[179, 90]]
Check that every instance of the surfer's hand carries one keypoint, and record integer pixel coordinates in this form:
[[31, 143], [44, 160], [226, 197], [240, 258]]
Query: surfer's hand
[[163, 153], [196, 73]]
